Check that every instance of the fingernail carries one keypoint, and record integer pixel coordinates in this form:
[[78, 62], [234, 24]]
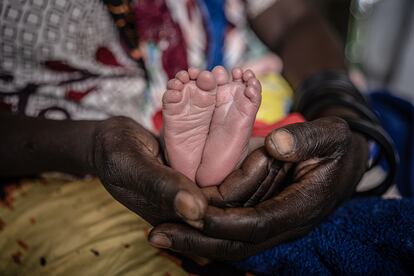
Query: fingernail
[[160, 240], [186, 206], [283, 141]]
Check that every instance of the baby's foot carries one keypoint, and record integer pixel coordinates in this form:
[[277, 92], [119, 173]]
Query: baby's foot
[[188, 106], [237, 103]]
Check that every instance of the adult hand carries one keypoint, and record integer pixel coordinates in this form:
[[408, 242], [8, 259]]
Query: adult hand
[[329, 162], [130, 164], [259, 177], [128, 160]]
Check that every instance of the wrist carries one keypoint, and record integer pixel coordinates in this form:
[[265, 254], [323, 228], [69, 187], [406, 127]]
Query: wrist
[[78, 157], [35, 145], [65, 146], [333, 94]]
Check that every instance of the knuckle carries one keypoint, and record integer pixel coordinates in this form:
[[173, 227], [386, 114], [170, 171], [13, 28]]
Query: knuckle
[[332, 137], [232, 251], [185, 244], [340, 126]]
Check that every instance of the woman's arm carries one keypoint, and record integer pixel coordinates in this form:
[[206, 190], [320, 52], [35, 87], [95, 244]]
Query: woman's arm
[[34, 145], [124, 155], [301, 37]]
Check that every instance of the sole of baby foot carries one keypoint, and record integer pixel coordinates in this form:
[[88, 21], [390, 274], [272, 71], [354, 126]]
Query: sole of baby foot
[[188, 106], [237, 102]]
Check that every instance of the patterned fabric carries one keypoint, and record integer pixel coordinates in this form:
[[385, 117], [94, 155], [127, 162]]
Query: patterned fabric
[[64, 59], [54, 226], [85, 59]]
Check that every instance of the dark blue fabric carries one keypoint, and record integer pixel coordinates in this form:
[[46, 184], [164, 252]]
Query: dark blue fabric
[[364, 237], [397, 118], [216, 23]]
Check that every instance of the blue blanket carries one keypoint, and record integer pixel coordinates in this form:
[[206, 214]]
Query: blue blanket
[[369, 236]]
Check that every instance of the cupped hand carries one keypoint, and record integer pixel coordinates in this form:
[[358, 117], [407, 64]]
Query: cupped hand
[[328, 161], [128, 160], [259, 177]]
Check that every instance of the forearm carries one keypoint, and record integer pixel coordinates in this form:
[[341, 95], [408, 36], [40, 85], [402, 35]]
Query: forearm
[[34, 145], [305, 42], [301, 37], [307, 46]]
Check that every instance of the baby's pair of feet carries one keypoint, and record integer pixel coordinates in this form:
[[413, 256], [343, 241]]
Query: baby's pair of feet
[[208, 119]]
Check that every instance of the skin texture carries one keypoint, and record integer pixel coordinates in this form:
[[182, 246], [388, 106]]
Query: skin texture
[[128, 160], [188, 107], [328, 160], [237, 102], [326, 170], [208, 119], [323, 175]]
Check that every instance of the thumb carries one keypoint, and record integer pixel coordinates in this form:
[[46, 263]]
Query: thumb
[[177, 191], [326, 137]]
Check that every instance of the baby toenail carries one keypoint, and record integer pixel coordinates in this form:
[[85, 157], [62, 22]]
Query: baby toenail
[[237, 73], [206, 81], [193, 73], [175, 84], [221, 75], [183, 76]]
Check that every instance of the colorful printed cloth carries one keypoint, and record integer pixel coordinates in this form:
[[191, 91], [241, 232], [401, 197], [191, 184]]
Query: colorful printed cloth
[[53, 226], [96, 59]]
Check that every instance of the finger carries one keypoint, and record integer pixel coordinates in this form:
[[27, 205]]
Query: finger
[[301, 204], [175, 191], [139, 178], [326, 137], [128, 159], [167, 186], [241, 184], [186, 240], [258, 178], [272, 184]]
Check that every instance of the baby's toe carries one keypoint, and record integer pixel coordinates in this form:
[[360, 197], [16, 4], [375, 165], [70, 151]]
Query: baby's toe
[[221, 75], [206, 81], [254, 83], [237, 74], [253, 94], [183, 76], [193, 73], [175, 84], [172, 96], [247, 75]]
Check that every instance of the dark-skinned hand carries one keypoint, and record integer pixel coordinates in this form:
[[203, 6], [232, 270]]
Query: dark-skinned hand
[[129, 161], [328, 161]]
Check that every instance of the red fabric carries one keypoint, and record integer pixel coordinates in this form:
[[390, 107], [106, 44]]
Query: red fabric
[[106, 57], [77, 96], [60, 66], [155, 24], [262, 129], [157, 121]]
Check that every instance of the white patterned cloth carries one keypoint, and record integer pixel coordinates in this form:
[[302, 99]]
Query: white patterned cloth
[[64, 59]]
